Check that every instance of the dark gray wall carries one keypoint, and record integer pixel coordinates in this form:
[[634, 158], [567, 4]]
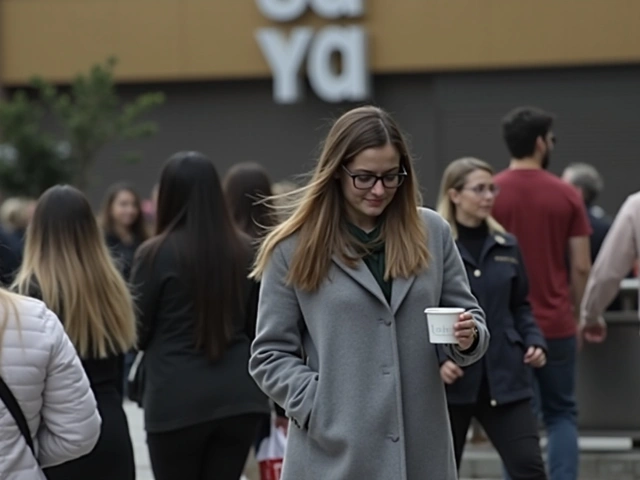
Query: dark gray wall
[[445, 116]]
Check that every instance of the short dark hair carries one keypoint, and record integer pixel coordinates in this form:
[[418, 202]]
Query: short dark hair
[[522, 126]]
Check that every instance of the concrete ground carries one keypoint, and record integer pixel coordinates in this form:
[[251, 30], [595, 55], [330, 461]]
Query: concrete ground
[[601, 458]]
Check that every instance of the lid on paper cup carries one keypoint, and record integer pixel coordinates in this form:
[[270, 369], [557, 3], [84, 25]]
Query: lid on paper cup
[[444, 310]]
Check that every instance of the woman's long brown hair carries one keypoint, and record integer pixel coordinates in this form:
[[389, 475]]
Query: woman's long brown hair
[[317, 210], [67, 260]]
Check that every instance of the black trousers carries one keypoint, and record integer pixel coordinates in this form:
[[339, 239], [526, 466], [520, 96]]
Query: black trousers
[[512, 429], [212, 450]]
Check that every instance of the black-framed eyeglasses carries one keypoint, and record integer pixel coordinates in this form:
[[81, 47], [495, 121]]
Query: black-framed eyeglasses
[[482, 189], [366, 181]]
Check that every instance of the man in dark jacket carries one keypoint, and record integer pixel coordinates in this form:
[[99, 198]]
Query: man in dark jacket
[[589, 182]]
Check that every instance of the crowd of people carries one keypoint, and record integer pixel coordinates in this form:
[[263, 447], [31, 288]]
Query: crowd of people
[[246, 305]]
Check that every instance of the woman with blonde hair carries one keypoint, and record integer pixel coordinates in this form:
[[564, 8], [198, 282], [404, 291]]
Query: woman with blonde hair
[[497, 390], [342, 342], [68, 266]]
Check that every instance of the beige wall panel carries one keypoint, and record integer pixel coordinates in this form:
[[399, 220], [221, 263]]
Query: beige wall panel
[[209, 39]]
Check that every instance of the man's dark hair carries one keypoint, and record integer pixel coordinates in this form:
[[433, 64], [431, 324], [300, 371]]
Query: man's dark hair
[[522, 126]]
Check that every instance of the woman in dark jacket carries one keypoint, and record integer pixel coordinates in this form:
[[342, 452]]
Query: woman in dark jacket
[[68, 266], [246, 185], [497, 391], [197, 313], [124, 229], [123, 224]]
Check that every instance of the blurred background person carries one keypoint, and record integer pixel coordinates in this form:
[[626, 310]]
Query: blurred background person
[[43, 379], [15, 215], [125, 229], [123, 224], [549, 220], [498, 389], [68, 266], [589, 183], [197, 312], [246, 187], [149, 207]]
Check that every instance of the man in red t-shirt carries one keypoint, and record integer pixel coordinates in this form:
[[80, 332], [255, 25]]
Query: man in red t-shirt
[[549, 219]]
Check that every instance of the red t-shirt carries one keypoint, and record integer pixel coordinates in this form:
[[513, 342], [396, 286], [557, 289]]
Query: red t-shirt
[[544, 212]]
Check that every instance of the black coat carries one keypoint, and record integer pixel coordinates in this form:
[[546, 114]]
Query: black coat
[[499, 282]]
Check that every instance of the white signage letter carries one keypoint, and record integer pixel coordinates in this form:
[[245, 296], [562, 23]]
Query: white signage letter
[[282, 10], [352, 82], [285, 56], [338, 8]]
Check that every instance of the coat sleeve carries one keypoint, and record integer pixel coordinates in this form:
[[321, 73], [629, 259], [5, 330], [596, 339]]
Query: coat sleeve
[[147, 287], [614, 260], [70, 425], [521, 308], [276, 354], [456, 292]]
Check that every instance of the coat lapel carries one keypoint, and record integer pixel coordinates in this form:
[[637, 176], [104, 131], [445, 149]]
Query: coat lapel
[[399, 291], [364, 277]]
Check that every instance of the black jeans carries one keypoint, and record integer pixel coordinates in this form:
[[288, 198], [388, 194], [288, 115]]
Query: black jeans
[[512, 429], [212, 450]]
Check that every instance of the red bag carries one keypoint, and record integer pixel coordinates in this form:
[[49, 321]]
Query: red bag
[[270, 454]]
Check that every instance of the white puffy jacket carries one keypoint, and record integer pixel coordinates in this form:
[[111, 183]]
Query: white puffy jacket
[[40, 366]]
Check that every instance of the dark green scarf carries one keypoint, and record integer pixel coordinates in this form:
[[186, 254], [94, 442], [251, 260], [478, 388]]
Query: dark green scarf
[[373, 258]]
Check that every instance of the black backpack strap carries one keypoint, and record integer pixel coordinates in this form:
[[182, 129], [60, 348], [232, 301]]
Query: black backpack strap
[[16, 412]]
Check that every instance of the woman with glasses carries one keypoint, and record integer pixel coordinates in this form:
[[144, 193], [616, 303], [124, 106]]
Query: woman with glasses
[[497, 391], [342, 341]]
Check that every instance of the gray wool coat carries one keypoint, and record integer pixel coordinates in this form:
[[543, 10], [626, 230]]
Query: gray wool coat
[[366, 401]]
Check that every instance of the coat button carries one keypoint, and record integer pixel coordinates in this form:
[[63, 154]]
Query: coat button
[[477, 273], [493, 403], [387, 321], [393, 438]]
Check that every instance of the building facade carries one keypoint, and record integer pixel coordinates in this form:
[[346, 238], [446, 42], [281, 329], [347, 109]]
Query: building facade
[[448, 71]]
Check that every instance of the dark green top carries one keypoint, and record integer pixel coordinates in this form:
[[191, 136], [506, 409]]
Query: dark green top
[[374, 256]]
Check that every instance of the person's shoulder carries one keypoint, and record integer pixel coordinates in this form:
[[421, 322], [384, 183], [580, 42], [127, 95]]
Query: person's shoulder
[[32, 313], [286, 247], [506, 240], [633, 200], [502, 175], [433, 220]]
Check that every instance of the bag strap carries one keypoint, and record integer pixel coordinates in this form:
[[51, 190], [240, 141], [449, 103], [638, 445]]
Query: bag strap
[[16, 412]]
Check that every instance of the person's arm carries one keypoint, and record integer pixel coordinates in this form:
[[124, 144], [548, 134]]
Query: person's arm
[[70, 425], [579, 249], [580, 261], [456, 292], [146, 284], [612, 264], [276, 362]]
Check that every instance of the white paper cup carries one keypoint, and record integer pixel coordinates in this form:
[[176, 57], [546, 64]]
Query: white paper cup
[[440, 321]]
